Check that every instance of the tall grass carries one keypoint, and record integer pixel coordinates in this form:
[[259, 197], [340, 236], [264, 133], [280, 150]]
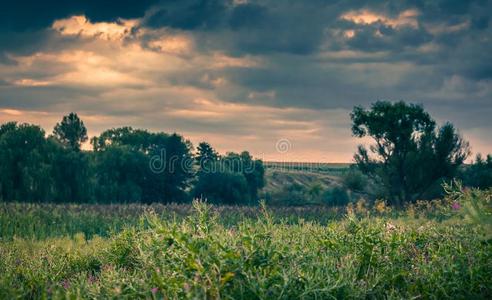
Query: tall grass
[[40, 221], [369, 252]]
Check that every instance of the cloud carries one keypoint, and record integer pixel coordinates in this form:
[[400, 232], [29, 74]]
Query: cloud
[[80, 25], [405, 18], [32, 15], [243, 74]]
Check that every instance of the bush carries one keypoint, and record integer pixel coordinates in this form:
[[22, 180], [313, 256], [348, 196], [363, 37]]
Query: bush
[[336, 197], [293, 194], [355, 180]]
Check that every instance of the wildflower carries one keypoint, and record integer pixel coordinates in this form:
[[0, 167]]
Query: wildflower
[[65, 284], [390, 226], [154, 290], [91, 279], [456, 206]]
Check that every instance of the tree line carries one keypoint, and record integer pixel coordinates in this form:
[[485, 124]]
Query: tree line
[[126, 165], [411, 156]]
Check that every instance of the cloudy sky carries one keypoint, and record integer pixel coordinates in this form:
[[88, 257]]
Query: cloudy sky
[[245, 74]]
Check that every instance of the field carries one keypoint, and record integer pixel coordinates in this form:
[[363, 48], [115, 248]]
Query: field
[[335, 169], [429, 250]]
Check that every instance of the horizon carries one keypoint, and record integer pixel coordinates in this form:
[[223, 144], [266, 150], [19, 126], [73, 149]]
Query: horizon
[[247, 75]]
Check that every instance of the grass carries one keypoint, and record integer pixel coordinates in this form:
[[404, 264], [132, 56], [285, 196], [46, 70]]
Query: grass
[[205, 252], [334, 169], [41, 221]]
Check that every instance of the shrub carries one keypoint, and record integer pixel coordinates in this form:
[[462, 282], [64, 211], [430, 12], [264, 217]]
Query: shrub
[[355, 180], [337, 196]]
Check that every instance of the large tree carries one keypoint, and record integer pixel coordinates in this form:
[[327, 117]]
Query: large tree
[[137, 165], [25, 163], [71, 131], [206, 156], [410, 155]]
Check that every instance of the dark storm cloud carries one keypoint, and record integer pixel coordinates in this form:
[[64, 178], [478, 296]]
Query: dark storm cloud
[[188, 15], [34, 14], [23, 24]]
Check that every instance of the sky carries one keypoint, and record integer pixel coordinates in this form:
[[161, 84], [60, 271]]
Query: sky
[[275, 77]]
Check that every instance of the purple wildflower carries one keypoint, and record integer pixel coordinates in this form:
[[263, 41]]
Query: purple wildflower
[[456, 206], [154, 290], [91, 279], [65, 284]]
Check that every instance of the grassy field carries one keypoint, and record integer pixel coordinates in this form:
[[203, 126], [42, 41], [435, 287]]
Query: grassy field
[[334, 169], [428, 250]]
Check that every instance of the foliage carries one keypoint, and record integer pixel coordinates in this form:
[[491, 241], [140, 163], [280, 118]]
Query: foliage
[[479, 174], [206, 155], [475, 203], [71, 131], [126, 165], [411, 156], [355, 180], [293, 194], [25, 163], [336, 196], [222, 187], [198, 257], [232, 179]]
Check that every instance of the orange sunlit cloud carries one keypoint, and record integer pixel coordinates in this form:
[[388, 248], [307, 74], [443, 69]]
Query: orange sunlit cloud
[[405, 18], [80, 25]]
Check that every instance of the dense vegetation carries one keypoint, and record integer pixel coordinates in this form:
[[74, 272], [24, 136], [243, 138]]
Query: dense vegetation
[[409, 161], [433, 250], [126, 165], [411, 157]]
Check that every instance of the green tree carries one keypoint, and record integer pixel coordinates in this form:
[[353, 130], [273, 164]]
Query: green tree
[[72, 174], [120, 175], [25, 163], [410, 156], [137, 165], [206, 155], [71, 131], [252, 169], [222, 187], [479, 173]]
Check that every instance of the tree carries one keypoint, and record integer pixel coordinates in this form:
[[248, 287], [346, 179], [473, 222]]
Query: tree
[[232, 179], [410, 156], [25, 163], [140, 166], [479, 173], [71, 132], [252, 169], [121, 175], [222, 187], [72, 173], [206, 155]]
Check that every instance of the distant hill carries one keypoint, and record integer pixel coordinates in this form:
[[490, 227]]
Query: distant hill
[[311, 167], [281, 174]]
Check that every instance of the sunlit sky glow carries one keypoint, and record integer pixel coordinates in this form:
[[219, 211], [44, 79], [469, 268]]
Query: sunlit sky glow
[[245, 74]]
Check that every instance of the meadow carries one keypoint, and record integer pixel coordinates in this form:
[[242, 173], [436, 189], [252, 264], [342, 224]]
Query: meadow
[[430, 250]]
